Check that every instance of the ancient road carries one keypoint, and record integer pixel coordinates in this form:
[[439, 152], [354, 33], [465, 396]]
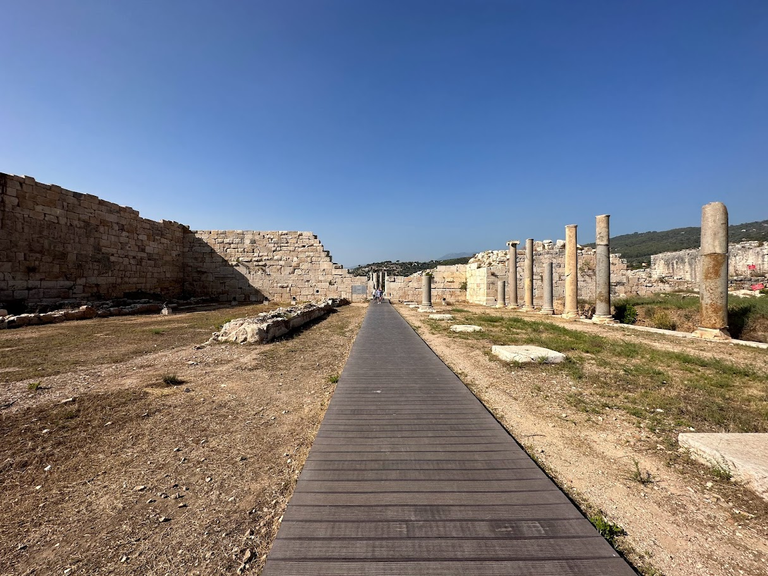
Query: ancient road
[[410, 475]]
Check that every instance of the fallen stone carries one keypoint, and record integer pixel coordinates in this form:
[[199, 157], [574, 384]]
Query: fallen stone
[[744, 456], [465, 328], [440, 317], [270, 325], [426, 309], [523, 354]]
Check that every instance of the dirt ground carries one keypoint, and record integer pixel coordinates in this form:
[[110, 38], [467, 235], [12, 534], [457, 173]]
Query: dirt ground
[[104, 469], [681, 520]]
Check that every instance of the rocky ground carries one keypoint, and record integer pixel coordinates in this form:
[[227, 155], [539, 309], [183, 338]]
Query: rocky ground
[[679, 518], [106, 469], [125, 450]]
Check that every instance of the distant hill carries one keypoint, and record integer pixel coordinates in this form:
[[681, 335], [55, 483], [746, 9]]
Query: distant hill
[[638, 247], [455, 255], [398, 268]]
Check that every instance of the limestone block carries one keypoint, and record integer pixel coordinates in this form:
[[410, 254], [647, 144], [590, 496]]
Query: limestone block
[[524, 354], [465, 328], [441, 317]]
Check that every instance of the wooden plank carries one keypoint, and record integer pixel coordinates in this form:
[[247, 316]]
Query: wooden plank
[[443, 549], [429, 498], [420, 512], [507, 529], [505, 464], [529, 472], [548, 567], [463, 486]]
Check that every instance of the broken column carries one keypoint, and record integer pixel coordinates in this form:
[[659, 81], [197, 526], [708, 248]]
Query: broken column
[[602, 271], [512, 272], [713, 290], [528, 275], [501, 296], [571, 274], [426, 290], [549, 307]]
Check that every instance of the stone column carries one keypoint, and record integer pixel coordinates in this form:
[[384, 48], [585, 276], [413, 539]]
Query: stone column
[[603, 271], [501, 296], [512, 273], [713, 290], [426, 291], [528, 278], [549, 307], [571, 274]]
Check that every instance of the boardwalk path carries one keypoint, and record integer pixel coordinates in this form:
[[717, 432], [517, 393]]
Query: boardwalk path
[[410, 475]]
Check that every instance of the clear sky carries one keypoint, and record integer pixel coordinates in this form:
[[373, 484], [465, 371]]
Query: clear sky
[[394, 129]]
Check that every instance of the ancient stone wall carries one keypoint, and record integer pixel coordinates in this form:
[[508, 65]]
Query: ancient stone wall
[[250, 266], [684, 264], [486, 269], [58, 245], [447, 282]]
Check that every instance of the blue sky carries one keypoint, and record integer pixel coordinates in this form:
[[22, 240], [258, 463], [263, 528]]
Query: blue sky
[[394, 129]]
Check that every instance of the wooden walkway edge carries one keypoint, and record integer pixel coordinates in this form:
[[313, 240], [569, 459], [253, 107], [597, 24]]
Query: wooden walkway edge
[[410, 475]]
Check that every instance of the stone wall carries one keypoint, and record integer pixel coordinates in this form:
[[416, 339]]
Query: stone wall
[[486, 269], [58, 245], [249, 266], [447, 282], [684, 264]]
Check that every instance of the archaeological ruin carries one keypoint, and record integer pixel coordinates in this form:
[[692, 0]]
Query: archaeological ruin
[[61, 248]]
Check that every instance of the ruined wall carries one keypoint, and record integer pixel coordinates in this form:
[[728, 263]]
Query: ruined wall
[[58, 245], [486, 269], [447, 282], [249, 266], [684, 264]]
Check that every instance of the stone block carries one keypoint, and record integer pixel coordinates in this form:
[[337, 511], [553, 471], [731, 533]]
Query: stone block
[[465, 328], [525, 354]]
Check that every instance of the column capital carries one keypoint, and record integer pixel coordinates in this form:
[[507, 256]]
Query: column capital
[[513, 242]]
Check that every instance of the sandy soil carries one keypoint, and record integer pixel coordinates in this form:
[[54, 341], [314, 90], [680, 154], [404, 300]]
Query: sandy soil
[[683, 523], [132, 476]]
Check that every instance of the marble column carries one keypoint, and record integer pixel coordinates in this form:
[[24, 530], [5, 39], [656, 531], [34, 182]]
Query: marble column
[[528, 275], [571, 273], [512, 273], [603, 271], [501, 296], [713, 290], [549, 306], [426, 290]]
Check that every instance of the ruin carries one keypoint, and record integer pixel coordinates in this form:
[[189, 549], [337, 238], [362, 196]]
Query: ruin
[[714, 272], [528, 307], [603, 271], [571, 274]]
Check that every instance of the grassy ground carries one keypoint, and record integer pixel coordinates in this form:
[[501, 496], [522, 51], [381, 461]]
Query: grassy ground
[[668, 390], [747, 317], [54, 349]]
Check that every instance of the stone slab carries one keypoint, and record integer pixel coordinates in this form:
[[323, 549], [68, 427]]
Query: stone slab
[[465, 328], [525, 354], [745, 456], [440, 317]]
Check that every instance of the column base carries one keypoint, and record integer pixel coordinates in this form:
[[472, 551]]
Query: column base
[[570, 316], [547, 311], [603, 319], [528, 309], [500, 306], [712, 333], [513, 307]]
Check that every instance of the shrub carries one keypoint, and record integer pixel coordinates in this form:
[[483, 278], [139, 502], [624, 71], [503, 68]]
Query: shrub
[[662, 319], [626, 313]]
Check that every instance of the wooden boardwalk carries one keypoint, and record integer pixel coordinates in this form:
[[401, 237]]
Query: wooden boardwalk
[[410, 475]]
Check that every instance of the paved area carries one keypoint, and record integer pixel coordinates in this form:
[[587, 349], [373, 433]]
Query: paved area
[[745, 456], [410, 475]]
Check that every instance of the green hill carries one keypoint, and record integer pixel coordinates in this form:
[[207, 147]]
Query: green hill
[[398, 268], [638, 247]]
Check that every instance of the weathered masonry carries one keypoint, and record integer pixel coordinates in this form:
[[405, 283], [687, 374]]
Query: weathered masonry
[[57, 245]]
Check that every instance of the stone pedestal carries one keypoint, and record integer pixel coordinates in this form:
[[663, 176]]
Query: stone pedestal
[[571, 274], [512, 273], [501, 296], [528, 275], [426, 290], [549, 305], [603, 271], [713, 290]]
